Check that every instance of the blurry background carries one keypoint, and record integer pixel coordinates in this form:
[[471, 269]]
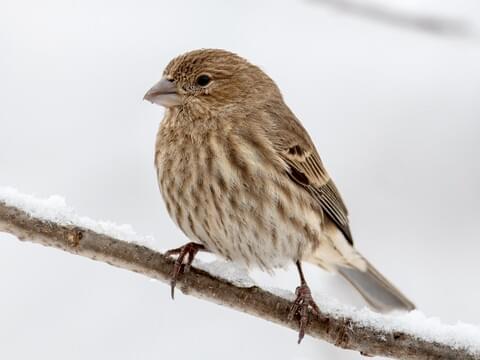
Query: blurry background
[[389, 91]]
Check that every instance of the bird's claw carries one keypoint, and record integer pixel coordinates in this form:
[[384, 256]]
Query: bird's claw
[[186, 254], [302, 303]]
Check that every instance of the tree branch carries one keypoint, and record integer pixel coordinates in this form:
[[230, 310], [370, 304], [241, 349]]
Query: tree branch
[[342, 331], [377, 11]]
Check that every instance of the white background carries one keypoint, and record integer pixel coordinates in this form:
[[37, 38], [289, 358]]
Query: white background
[[394, 111]]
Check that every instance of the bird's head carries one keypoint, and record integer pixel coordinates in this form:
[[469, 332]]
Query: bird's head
[[213, 79]]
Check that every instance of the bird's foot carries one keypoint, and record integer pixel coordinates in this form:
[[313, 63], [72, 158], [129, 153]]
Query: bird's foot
[[186, 254], [302, 303]]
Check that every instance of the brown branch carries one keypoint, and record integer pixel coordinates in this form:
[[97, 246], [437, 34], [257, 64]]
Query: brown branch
[[341, 331], [383, 14]]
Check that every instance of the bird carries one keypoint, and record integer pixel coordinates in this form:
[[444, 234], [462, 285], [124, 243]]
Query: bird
[[241, 177]]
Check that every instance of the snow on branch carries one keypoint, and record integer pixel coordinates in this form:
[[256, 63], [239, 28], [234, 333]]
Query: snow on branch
[[409, 336]]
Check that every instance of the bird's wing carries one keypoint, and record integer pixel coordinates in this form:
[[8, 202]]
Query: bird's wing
[[305, 168]]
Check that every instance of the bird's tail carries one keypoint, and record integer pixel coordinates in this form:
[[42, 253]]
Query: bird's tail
[[375, 289]]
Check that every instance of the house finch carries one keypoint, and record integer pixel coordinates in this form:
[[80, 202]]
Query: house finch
[[242, 178]]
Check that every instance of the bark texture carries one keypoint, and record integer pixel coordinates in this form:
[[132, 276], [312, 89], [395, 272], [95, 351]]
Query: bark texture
[[342, 332]]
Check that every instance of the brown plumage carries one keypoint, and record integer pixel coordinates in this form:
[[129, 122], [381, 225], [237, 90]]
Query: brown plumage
[[241, 177]]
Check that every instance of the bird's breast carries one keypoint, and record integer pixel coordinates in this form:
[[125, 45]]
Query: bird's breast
[[227, 194]]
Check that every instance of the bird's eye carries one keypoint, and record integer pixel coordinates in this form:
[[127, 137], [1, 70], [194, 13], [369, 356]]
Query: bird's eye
[[203, 80]]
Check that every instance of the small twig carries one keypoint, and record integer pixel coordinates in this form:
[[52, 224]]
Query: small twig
[[381, 13], [341, 331]]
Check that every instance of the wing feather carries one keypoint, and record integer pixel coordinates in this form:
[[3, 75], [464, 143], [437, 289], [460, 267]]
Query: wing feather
[[306, 169]]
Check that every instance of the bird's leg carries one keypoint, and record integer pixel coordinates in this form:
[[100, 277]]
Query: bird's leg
[[302, 303], [186, 254]]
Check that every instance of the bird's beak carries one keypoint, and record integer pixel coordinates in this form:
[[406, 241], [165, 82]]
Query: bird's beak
[[164, 93]]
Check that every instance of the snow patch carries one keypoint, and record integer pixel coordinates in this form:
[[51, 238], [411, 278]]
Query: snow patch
[[416, 323], [55, 209], [233, 273]]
